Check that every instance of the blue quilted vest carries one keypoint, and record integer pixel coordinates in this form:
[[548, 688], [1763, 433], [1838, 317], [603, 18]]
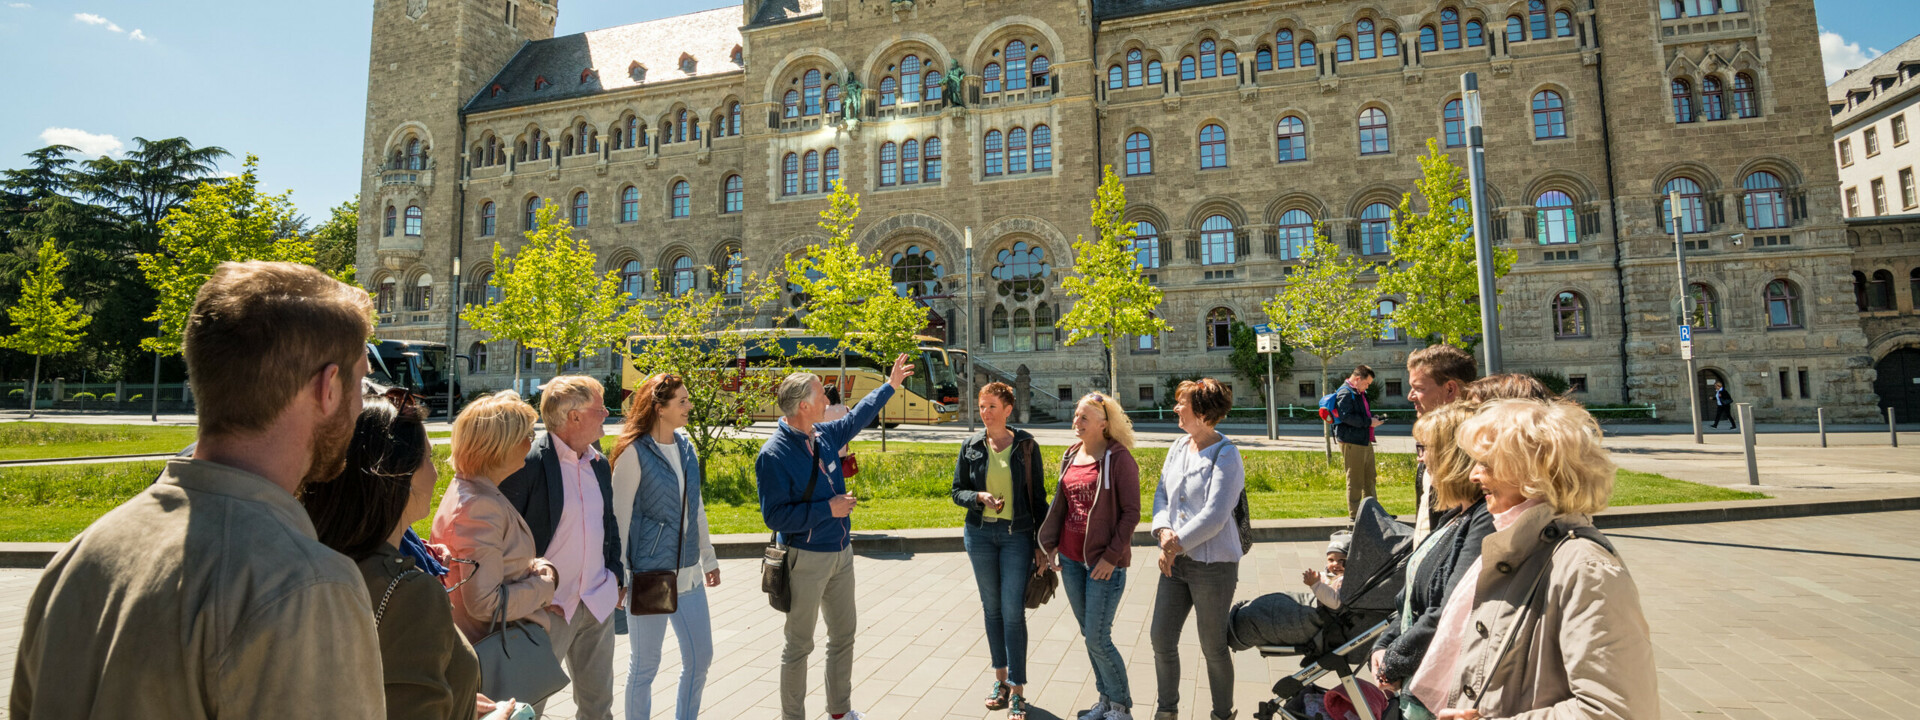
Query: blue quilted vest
[[656, 509]]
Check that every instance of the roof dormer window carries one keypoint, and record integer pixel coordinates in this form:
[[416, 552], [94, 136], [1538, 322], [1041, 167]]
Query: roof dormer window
[[687, 64], [541, 83], [496, 90], [738, 57], [588, 75], [637, 71]]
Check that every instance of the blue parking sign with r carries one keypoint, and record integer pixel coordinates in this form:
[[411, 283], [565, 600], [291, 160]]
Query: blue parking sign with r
[[1686, 332]]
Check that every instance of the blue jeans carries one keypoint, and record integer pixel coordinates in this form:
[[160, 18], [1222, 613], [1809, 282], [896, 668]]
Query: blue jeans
[[693, 627], [1002, 562], [1094, 602]]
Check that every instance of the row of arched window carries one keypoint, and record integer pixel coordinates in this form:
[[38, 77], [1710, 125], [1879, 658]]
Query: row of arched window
[[409, 154], [413, 220], [1675, 9], [1875, 293], [909, 162], [580, 214], [1017, 151], [1763, 204], [418, 295], [905, 83], [1712, 103], [809, 173], [1026, 66], [627, 133]]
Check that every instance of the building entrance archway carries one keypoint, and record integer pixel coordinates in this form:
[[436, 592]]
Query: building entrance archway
[[1898, 383]]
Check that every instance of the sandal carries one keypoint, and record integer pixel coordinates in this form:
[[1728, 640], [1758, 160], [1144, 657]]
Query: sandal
[[997, 698], [1016, 708]]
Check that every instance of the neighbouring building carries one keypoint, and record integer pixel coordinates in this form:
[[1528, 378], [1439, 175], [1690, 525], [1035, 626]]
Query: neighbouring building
[[709, 140]]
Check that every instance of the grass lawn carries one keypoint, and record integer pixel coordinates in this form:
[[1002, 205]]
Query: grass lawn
[[904, 488], [36, 440]]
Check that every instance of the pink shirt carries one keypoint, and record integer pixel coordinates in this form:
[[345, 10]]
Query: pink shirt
[[577, 550], [1438, 678]]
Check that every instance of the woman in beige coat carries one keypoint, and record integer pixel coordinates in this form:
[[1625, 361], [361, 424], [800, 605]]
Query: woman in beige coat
[[491, 438], [1552, 626]]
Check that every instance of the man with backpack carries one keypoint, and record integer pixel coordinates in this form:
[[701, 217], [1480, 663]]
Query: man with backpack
[[1353, 426]]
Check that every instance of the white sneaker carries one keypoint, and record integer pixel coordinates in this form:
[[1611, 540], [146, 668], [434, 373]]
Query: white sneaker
[[1115, 712], [851, 715], [1097, 712]]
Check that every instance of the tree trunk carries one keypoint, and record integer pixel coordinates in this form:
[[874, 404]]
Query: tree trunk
[[519, 352], [1326, 431], [1113, 370], [33, 389]]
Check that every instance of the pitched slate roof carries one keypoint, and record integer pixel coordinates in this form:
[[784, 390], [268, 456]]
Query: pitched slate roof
[[1888, 64], [779, 11], [708, 37], [1113, 9]]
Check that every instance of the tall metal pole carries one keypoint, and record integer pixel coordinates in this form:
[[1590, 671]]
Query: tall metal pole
[[1482, 243], [1273, 416], [966, 338], [153, 396], [453, 337], [1686, 314]]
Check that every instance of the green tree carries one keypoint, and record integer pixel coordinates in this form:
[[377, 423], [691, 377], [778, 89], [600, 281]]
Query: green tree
[[1251, 366], [45, 323], [1323, 309], [1435, 267], [336, 242], [551, 300], [225, 221], [1111, 297]]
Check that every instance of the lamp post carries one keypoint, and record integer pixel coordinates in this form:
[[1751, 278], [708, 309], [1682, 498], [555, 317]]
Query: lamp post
[[966, 334], [153, 402], [1482, 244], [1674, 214], [453, 336]]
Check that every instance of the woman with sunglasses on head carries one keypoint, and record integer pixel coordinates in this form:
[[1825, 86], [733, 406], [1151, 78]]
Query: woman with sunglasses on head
[[1201, 484], [1091, 521], [430, 670], [663, 526], [1001, 481], [476, 522]]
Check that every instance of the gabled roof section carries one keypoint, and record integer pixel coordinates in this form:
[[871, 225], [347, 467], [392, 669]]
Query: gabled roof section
[[1115, 9], [773, 12], [657, 45], [1887, 65]]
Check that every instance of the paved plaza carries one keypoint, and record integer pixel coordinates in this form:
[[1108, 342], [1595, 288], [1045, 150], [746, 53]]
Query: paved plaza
[[1813, 617]]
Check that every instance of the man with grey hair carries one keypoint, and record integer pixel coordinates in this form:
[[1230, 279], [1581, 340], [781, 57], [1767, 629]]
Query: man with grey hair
[[565, 494], [804, 498]]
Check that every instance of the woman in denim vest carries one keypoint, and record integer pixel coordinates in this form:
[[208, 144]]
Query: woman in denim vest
[[656, 479], [1000, 480]]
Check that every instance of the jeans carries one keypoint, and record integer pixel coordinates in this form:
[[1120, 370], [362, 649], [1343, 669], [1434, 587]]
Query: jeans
[[1002, 562], [1094, 602], [1206, 589], [693, 627]]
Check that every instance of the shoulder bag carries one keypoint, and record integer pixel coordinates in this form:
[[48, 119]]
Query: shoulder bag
[[776, 562], [517, 660], [657, 592]]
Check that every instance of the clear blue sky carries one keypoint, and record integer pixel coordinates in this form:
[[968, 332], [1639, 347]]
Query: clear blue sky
[[287, 80]]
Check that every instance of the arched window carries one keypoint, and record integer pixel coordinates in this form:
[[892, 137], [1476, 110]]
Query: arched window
[[1562, 23], [1217, 244], [1743, 103], [1376, 229], [1860, 291], [1549, 115], [790, 174], [1135, 76], [930, 161], [995, 149], [384, 299], [732, 194], [1209, 59], [1016, 65], [1139, 154], [1711, 105], [414, 220], [1219, 329], [1373, 132], [809, 95], [1229, 64], [580, 209], [488, 218], [420, 296], [1146, 245], [684, 276], [1043, 327], [1016, 151], [1450, 29], [1116, 78], [1783, 305], [1002, 334], [1307, 57], [810, 172], [910, 162], [1263, 59], [733, 119], [831, 173], [1553, 213], [1537, 18], [1706, 308], [1365, 39], [632, 279], [1154, 76], [680, 124], [1292, 139], [1682, 101], [1476, 34], [1383, 315], [1021, 272], [682, 199], [889, 164], [1295, 231], [1042, 148], [1880, 291], [629, 204], [990, 78], [416, 160], [1213, 147], [1283, 50], [533, 213], [1041, 68], [1429, 40], [889, 91], [1693, 212], [1343, 49], [1146, 343], [1454, 122], [916, 272], [734, 277], [1570, 316], [477, 358], [833, 98], [1389, 44], [636, 133], [933, 86], [1913, 285], [386, 228], [1516, 29], [910, 79], [1765, 201], [1188, 69]]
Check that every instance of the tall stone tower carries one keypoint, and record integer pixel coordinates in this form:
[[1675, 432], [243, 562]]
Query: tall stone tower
[[428, 59]]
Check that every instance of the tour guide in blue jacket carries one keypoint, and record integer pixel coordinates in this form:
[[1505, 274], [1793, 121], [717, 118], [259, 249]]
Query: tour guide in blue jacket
[[818, 530]]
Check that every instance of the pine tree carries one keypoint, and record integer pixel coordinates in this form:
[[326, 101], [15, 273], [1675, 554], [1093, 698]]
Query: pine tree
[[1436, 270], [1111, 296], [45, 323], [551, 300]]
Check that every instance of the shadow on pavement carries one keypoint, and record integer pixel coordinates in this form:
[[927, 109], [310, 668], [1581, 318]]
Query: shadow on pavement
[[1763, 547]]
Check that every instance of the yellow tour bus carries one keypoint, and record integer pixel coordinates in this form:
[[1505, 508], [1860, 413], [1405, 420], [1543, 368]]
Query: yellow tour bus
[[930, 397]]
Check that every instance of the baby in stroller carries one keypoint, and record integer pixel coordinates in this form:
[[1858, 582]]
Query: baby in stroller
[[1326, 587]]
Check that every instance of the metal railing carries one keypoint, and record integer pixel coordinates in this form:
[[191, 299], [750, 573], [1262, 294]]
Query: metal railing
[[1036, 400]]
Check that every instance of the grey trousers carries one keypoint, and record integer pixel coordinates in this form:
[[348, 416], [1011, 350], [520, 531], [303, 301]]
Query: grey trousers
[[1206, 589], [585, 646], [1360, 475], [822, 584]]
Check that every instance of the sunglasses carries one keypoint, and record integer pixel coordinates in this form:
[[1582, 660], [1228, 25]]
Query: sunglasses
[[402, 398]]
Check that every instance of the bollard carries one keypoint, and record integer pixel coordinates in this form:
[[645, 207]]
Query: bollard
[[1821, 414], [1745, 411], [1893, 432]]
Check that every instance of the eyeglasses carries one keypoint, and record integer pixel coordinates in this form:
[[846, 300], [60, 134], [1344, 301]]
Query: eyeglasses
[[402, 398]]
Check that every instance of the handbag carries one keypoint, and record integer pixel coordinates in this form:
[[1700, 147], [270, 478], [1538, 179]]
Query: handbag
[[517, 660], [1040, 587], [657, 592], [776, 563], [850, 465]]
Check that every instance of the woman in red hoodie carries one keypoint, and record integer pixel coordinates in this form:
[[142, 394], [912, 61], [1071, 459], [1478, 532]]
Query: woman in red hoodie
[[1091, 521]]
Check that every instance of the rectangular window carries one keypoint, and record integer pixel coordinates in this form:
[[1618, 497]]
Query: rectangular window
[[1307, 390], [1853, 202], [1064, 393], [1146, 394], [1899, 130], [1879, 196], [1786, 385], [1846, 153], [1872, 139], [1908, 197], [1393, 389], [1806, 393], [1576, 383]]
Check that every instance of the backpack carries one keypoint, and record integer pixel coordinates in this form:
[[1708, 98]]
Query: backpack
[[1330, 407]]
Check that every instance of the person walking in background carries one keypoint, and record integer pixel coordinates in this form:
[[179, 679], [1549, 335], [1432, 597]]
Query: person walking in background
[[431, 671], [1436, 375], [1201, 483], [562, 492], [1091, 522], [491, 437], [657, 479], [805, 501], [208, 593], [1355, 433], [1001, 481], [1723, 405]]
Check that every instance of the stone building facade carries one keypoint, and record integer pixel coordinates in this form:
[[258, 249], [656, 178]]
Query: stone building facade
[[681, 143]]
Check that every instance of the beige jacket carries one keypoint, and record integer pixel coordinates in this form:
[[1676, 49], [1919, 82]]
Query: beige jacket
[[477, 523], [204, 596], [1556, 631]]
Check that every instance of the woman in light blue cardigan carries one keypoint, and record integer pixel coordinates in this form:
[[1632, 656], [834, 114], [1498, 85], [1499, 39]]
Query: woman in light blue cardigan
[[1201, 484]]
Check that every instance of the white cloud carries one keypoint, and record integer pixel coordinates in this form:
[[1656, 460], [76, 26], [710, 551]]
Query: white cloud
[[1838, 56], [140, 36], [92, 19], [20, 5], [87, 143]]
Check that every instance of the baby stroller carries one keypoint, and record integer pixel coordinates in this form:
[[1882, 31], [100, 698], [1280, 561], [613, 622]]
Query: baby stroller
[[1331, 641]]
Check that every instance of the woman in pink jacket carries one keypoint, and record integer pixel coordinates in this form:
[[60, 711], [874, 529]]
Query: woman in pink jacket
[[492, 544]]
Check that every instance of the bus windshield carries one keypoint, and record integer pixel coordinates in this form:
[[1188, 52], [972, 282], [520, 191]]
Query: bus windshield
[[936, 371]]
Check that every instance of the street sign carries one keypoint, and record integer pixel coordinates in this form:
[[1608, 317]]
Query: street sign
[[1686, 348], [1268, 343], [1686, 333], [1263, 329]]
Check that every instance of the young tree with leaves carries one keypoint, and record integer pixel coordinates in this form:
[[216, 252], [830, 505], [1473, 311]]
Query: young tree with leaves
[[551, 300], [336, 243], [45, 323], [1436, 270], [1111, 296], [1323, 309]]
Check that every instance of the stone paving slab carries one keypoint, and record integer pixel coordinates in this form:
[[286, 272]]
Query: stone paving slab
[[1813, 617]]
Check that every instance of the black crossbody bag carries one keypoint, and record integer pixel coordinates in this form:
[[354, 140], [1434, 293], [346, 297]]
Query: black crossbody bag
[[776, 562]]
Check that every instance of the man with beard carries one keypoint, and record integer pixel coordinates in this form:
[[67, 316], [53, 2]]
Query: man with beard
[[208, 594], [1436, 375]]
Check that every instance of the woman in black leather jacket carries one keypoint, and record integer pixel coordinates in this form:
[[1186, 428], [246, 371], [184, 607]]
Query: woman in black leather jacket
[[1000, 479]]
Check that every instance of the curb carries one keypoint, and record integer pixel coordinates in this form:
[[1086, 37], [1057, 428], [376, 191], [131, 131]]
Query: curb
[[86, 458], [26, 555]]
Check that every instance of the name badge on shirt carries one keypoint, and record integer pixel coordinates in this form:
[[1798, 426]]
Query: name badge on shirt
[[831, 465]]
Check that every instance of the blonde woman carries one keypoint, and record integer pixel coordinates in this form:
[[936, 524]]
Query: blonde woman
[[491, 438], [1551, 623], [1091, 521]]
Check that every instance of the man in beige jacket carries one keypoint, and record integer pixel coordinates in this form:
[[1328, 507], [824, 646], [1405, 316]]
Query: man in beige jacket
[[208, 595]]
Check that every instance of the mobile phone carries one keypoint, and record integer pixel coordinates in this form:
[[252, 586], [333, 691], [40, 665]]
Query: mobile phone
[[511, 711]]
